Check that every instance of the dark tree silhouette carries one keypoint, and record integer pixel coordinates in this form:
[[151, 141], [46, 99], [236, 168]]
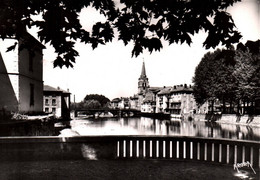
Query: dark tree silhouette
[[145, 22], [230, 76], [98, 98]]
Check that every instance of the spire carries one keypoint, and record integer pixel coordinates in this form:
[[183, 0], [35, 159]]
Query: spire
[[143, 73]]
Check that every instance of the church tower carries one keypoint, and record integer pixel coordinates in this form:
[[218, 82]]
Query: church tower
[[143, 82]]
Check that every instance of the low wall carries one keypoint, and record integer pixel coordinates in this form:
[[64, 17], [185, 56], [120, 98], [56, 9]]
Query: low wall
[[229, 118], [223, 151]]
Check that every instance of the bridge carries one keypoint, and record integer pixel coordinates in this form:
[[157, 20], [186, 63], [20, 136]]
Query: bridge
[[106, 112]]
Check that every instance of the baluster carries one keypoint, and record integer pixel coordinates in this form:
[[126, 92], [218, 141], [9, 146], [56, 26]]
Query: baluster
[[131, 148], [220, 153], [144, 148], [212, 152], [124, 148], [191, 150], [184, 149], [171, 149], [157, 148], [205, 151], [164, 149], [118, 149], [178, 150], [137, 149]]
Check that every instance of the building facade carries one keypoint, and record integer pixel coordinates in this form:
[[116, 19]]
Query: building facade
[[21, 75], [178, 100], [56, 101]]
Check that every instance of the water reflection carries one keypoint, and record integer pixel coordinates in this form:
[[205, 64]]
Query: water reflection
[[149, 126]]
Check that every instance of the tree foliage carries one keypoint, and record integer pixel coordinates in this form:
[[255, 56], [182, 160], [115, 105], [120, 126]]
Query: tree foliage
[[229, 75], [213, 76], [144, 22], [102, 100]]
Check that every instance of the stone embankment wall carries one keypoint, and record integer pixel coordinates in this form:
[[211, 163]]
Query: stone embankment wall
[[229, 118]]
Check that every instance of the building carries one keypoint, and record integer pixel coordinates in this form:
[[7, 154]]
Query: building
[[56, 101], [181, 102], [21, 75], [133, 101], [143, 85], [162, 100], [115, 103], [178, 101]]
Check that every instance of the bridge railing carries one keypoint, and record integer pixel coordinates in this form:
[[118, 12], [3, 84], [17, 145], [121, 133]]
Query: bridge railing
[[221, 151]]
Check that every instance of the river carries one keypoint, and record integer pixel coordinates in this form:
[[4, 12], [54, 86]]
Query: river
[[149, 126]]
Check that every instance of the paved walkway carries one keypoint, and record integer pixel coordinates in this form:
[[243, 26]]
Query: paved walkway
[[121, 169]]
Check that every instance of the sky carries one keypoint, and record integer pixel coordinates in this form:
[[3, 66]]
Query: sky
[[111, 71]]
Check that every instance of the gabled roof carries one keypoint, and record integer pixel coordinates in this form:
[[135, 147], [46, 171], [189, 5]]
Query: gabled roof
[[52, 89]]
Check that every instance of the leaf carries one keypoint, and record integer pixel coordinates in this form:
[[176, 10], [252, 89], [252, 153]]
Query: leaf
[[58, 62], [137, 49]]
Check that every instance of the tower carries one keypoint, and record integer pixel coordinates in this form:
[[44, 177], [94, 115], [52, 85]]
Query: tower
[[143, 82]]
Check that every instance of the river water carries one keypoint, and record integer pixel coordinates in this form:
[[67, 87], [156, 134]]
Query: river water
[[150, 126], [131, 126]]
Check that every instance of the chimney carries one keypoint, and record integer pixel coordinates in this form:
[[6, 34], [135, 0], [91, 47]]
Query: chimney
[[58, 88]]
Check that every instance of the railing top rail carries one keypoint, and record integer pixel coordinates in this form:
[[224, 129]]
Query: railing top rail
[[92, 138]]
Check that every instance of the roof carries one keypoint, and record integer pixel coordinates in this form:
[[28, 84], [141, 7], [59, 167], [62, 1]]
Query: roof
[[181, 88], [143, 73], [165, 90], [155, 89], [50, 88], [28, 38], [148, 97]]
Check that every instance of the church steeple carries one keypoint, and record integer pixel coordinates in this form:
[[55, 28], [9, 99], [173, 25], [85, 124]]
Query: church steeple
[[143, 82], [143, 73]]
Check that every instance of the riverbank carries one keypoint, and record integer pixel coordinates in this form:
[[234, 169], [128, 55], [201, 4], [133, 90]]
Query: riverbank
[[230, 119], [121, 169]]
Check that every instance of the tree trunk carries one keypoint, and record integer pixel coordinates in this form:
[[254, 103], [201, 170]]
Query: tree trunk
[[212, 106], [224, 106], [238, 107]]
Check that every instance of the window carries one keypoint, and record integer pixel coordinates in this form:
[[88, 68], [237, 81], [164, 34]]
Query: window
[[46, 110], [54, 102], [31, 55], [31, 94], [53, 110], [46, 102]]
